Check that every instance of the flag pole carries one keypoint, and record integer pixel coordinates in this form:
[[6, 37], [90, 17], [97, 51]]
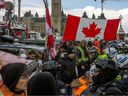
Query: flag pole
[[45, 27], [46, 37], [46, 34]]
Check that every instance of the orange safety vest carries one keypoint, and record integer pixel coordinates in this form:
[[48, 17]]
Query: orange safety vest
[[6, 92], [98, 48], [78, 91]]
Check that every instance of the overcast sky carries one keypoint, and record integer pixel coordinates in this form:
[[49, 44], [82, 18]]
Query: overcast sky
[[112, 8]]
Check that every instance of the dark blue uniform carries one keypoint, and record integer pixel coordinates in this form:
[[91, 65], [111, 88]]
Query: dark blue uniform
[[110, 88]]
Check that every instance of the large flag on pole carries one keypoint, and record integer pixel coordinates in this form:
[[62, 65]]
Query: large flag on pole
[[50, 37], [1, 4], [78, 28]]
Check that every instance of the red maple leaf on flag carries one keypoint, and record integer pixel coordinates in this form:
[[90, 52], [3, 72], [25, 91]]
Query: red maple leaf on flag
[[92, 31]]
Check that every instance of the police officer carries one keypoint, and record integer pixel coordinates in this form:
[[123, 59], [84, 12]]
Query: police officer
[[104, 78]]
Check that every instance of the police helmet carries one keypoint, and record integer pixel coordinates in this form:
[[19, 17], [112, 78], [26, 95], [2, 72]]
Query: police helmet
[[111, 52], [50, 66], [110, 44], [106, 71], [93, 49], [106, 63], [31, 67], [122, 61]]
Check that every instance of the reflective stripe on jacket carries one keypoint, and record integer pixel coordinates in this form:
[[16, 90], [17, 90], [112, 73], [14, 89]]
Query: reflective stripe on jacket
[[103, 56], [82, 55]]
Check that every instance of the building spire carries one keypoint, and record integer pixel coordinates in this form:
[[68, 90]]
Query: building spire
[[19, 9]]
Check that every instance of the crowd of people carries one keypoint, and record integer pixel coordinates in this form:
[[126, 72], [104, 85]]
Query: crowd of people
[[79, 68]]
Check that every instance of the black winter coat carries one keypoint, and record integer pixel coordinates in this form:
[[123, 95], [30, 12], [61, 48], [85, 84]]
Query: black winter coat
[[110, 88], [67, 70]]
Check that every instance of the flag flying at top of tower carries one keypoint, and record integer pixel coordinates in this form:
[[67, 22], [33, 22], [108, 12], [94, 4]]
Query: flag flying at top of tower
[[79, 28], [50, 37], [1, 4]]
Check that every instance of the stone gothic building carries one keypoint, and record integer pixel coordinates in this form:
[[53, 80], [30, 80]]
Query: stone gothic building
[[37, 24]]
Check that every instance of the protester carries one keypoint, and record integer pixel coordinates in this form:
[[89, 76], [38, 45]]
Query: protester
[[42, 84], [102, 45], [93, 54], [83, 58], [89, 44], [68, 69], [62, 52], [14, 79], [96, 43], [76, 45], [79, 85], [45, 56], [34, 55], [82, 83]]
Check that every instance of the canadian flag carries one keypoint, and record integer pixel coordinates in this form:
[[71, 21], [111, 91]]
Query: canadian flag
[[79, 28], [1, 3], [50, 37]]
